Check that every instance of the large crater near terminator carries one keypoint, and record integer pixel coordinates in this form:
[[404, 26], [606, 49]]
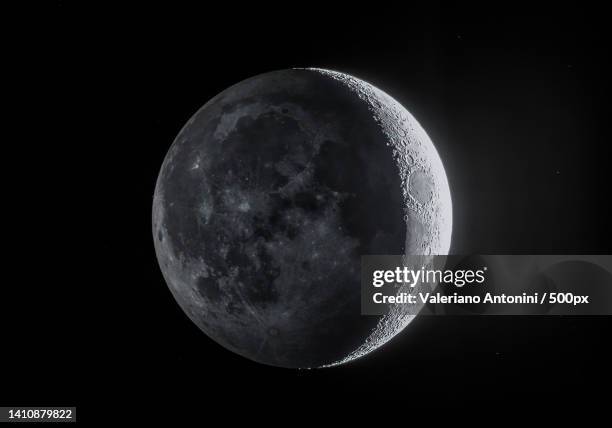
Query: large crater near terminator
[[269, 196]]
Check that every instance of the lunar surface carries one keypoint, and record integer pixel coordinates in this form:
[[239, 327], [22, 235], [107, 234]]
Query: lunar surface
[[267, 200]]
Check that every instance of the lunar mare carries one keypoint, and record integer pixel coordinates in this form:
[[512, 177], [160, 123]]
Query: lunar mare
[[269, 196]]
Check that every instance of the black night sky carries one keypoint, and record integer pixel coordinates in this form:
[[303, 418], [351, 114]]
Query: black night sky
[[516, 100]]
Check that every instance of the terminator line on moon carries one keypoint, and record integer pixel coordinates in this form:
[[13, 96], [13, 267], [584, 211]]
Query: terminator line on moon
[[269, 196]]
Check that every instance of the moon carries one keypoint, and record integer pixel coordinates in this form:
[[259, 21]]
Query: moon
[[270, 195]]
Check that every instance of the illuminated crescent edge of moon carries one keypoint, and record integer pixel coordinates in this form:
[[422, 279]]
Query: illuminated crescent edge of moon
[[413, 150]]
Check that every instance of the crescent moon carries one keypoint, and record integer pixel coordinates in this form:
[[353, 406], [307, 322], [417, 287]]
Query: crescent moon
[[261, 212], [425, 189]]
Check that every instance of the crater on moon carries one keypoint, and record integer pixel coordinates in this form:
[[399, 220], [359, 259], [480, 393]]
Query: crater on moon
[[269, 196], [421, 187]]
